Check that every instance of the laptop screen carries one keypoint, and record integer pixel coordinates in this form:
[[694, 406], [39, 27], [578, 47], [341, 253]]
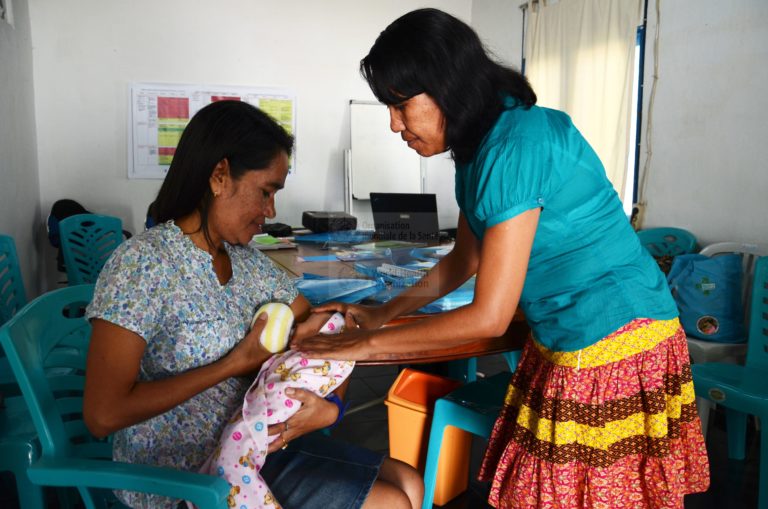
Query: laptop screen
[[409, 217]]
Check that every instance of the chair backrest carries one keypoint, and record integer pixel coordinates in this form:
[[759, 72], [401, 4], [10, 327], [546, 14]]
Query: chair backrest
[[757, 346], [667, 241], [12, 299], [46, 344], [12, 294], [87, 241], [749, 255]]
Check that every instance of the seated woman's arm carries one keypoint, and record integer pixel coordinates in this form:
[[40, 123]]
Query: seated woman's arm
[[114, 397]]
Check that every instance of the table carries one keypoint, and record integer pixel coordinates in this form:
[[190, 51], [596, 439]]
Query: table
[[512, 339], [287, 259]]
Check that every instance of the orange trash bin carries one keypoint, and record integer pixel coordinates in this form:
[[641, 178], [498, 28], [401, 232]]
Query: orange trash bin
[[410, 402]]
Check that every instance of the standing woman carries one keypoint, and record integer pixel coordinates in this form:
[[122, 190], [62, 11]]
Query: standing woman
[[601, 410]]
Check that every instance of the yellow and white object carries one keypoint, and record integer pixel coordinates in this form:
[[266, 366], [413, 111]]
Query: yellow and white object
[[276, 333]]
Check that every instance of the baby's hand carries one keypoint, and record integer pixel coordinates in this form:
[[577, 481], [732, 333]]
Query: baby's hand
[[311, 326], [320, 323]]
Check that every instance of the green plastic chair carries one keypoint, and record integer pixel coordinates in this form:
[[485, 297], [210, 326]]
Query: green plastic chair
[[19, 448], [12, 295], [667, 241], [87, 241], [46, 345], [742, 390], [702, 351], [18, 440]]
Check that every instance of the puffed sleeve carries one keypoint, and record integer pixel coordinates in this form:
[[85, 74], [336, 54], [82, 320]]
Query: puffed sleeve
[[128, 291], [513, 177]]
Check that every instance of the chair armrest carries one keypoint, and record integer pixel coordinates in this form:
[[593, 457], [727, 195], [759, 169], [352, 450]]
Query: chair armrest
[[205, 491]]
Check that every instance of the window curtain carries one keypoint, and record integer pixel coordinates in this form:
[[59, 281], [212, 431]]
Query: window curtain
[[580, 59]]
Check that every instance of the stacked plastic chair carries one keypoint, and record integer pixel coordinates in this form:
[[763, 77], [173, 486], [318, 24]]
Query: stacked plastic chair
[[18, 440], [702, 351], [19, 448], [46, 344], [742, 390], [712, 351], [87, 241], [667, 241], [12, 294]]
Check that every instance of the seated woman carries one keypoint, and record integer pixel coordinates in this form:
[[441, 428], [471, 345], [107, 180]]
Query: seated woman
[[171, 357]]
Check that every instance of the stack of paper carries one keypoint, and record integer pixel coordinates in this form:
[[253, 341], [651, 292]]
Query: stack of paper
[[265, 241]]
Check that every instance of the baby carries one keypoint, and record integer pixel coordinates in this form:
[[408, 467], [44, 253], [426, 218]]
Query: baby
[[243, 445]]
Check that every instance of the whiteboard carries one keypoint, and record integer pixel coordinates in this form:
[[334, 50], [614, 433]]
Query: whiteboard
[[380, 161]]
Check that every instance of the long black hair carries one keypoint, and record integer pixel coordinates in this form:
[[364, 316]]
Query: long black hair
[[430, 51], [233, 130]]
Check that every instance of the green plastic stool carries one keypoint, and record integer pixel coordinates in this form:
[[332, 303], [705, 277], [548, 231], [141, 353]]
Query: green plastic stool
[[473, 407]]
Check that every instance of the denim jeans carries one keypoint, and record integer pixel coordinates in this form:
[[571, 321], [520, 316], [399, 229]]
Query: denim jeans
[[316, 472]]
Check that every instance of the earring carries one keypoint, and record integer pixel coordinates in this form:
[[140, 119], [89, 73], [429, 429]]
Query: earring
[[215, 194]]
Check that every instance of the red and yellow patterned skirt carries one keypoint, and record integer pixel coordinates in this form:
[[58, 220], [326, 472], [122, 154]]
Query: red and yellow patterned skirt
[[613, 425]]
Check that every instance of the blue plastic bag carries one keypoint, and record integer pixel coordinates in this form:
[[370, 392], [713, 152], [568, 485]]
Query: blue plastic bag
[[340, 237], [708, 295], [461, 296], [318, 290]]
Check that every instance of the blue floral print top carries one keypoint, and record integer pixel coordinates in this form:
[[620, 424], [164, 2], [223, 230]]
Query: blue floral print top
[[162, 287]]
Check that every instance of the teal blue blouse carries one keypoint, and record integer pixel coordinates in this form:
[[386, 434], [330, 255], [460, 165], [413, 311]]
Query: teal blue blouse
[[588, 274]]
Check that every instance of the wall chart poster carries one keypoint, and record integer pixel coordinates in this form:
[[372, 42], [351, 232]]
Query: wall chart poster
[[159, 113]]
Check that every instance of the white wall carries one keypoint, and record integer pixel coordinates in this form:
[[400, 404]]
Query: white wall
[[19, 187], [499, 24], [87, 52], [708, 172]]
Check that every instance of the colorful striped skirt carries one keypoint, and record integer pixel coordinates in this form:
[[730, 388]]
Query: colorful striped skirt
[[611, 425]]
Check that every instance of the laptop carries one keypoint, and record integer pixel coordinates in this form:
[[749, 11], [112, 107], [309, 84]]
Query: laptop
[[405, 217]]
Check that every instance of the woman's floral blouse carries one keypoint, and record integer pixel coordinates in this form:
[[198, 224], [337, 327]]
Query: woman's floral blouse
[[162, 287]]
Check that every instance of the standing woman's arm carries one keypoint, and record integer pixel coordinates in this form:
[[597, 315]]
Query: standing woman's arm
[[506, 248], [447, 275]]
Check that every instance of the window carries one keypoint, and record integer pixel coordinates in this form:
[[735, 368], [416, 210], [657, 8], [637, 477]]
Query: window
[[633, 156], [578, 60]]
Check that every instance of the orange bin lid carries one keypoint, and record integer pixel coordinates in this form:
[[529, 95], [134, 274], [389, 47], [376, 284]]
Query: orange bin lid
[[418, 390]]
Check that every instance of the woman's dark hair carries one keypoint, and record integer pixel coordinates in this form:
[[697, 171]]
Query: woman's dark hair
[[233, 130], [430, 51]]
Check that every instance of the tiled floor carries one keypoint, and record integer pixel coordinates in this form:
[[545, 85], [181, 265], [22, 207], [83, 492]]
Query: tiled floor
[[733, 483]]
